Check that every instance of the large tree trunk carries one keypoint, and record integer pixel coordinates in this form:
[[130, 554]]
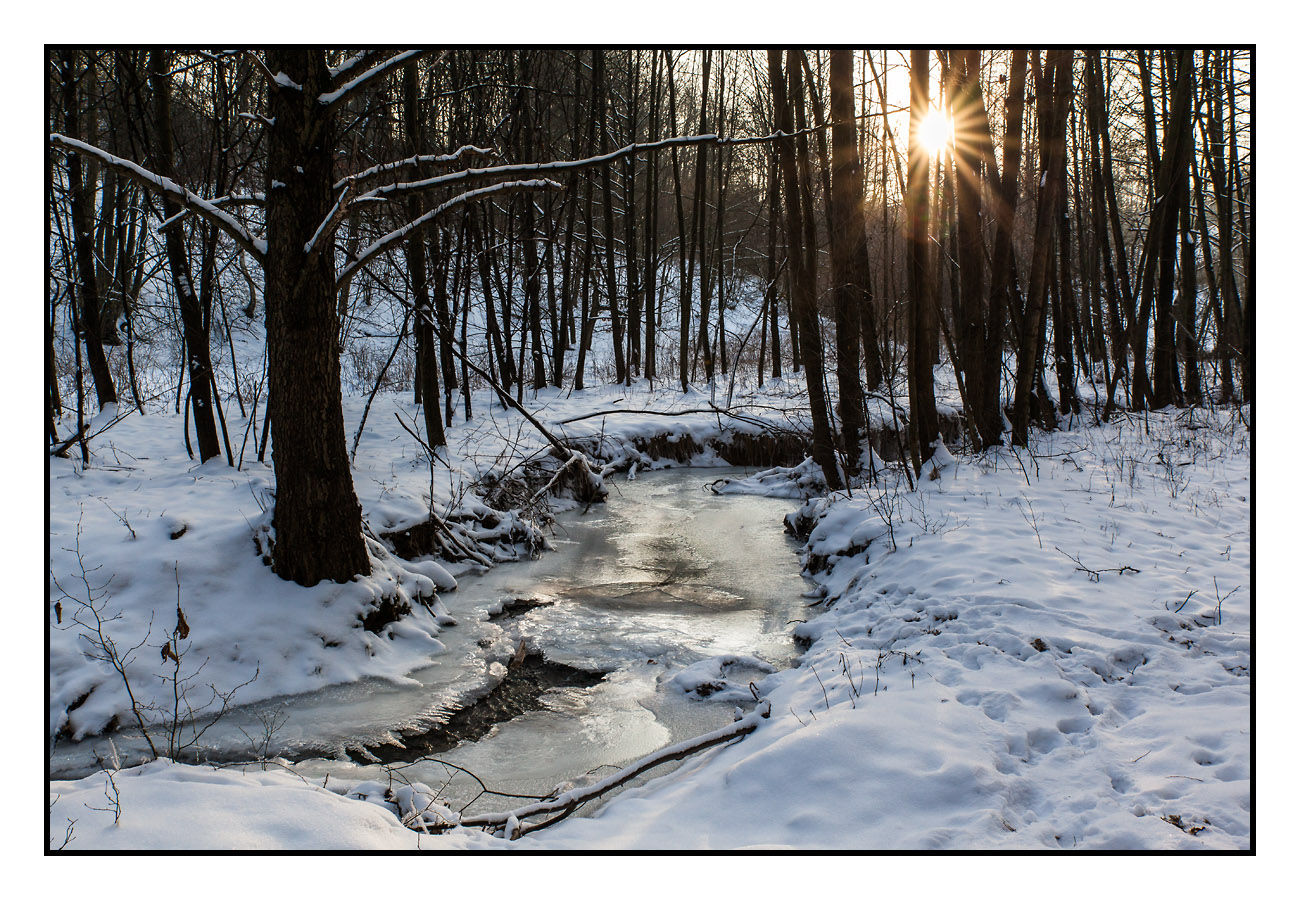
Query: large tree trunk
[[317, 519]]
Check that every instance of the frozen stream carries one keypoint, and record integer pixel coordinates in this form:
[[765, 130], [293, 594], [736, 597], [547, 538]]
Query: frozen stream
[[663, 576]]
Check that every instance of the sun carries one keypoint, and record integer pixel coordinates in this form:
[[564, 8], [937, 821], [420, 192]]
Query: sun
[[936, 130]]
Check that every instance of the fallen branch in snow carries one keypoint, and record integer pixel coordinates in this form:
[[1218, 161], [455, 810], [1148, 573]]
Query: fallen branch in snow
[[1094, 574], [647, 412], [61, 449], [511, 822], [575, 458], [712, 408]]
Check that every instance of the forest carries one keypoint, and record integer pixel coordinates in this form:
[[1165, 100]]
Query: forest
[[924, 252]]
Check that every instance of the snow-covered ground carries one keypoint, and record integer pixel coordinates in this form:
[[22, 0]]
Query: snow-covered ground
[[1035, 656], [1043, 650]]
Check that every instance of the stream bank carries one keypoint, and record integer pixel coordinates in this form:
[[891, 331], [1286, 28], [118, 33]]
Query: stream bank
[[645, 625]]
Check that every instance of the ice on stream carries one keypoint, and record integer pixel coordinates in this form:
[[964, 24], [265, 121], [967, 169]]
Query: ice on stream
[[663, 581]]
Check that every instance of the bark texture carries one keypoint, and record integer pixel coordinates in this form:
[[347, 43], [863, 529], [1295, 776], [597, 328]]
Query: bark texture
[[317, 519]]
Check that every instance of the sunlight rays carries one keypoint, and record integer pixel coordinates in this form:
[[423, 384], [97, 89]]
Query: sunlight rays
[[936, 131]]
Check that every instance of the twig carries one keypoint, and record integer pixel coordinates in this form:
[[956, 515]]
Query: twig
[[1095, 574], [825, 700]]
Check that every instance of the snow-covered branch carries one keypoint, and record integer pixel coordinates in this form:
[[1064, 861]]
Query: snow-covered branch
[[461, 154], [331, 222], [571, 165], [350, 62], [378, 69], [158, 184], [398, 235], [273, 80], [257, 198], [204, 59]]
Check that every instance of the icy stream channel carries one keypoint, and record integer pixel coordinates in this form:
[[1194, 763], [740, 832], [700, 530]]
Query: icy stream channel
[[663, 588]]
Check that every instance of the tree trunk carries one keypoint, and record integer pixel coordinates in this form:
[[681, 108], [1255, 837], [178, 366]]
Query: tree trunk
[[988, 402], [1106, 281], [923, 344], [317, 519], [1186, 309], [847, 226], [971, 130], [198, 361], [803, 284], [771, 295], [427, 388], [651, 279], [1214, 139], [1053, 90], [1065, 309], [607, 208], [1172, 190], [697, 201], [83, 240]]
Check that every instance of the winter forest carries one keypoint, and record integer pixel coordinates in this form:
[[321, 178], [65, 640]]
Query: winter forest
[[596, 448]]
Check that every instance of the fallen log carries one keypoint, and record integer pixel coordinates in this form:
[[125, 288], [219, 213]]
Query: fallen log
[[511, 825]]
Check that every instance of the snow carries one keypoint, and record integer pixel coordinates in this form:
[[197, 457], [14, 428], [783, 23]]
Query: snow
[[709, 678], [236, 809], [1029, 655]]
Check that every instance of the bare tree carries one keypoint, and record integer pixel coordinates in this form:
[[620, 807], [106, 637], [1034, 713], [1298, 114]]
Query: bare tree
[[803, 277], [923, 316]]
